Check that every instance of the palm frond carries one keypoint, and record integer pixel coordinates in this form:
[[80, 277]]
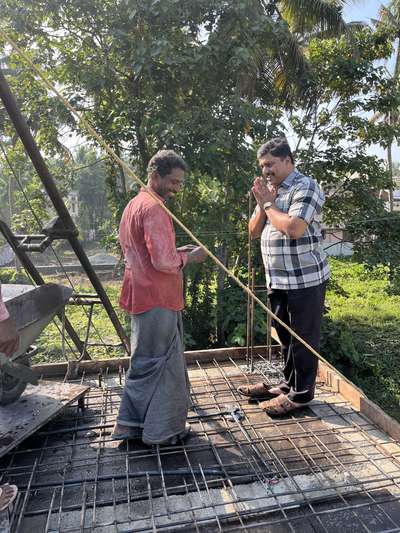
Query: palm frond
[[287, 71], [305, 16], [388, 17], [352, 28]]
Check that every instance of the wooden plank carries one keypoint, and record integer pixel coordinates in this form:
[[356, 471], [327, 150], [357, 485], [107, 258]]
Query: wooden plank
[[96, 366], [388, 424], [359, 401], [33, 410], [349, 391]]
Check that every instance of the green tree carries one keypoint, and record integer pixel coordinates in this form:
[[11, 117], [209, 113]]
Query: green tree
[[90, 183], [335, 135], [390, 21], [212, 80]]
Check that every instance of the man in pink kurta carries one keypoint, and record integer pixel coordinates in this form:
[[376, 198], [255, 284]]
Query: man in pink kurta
[[155, 399], [153, 272]]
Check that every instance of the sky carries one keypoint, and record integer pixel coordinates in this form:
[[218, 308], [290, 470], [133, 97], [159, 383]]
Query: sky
[[362, 10]]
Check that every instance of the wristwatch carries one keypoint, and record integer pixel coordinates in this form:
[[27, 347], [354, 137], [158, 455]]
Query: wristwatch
[[267, 205]]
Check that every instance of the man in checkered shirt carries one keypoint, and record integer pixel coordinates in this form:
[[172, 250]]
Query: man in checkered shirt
[[288, 220]]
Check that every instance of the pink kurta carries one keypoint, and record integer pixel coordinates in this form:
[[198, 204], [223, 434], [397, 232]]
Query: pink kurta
[[3, 309], [153, 271]]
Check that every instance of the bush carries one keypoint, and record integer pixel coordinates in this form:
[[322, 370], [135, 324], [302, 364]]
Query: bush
[[12, 275]]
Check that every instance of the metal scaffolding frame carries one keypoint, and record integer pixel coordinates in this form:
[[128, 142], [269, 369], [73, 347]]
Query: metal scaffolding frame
[[63, 228], [324, 467]]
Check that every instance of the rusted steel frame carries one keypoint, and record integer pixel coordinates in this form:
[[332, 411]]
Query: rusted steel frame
[[82, 357], [44, 174], [253, 278], [249, 268], [33, 243], [83, 301], [37, 278]]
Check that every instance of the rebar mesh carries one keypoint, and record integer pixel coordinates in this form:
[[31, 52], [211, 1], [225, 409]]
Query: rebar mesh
[[323, 468]]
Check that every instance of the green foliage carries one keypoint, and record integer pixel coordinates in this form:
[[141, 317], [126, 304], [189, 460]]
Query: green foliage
[[338, 343], [49, 342], [199, 313], [378, 244], [361, 331], [234, 312], [337, 132], [11, 275], [90, 183]]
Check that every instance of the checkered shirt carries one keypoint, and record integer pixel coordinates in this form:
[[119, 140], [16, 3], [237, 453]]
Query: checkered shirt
[[296, 263]]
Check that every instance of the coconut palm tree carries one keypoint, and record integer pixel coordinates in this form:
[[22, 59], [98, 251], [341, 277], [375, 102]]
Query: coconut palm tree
[[310, 16], [284, 68]]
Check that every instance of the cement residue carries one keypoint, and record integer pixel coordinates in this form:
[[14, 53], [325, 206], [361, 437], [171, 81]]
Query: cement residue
[[203, 506]]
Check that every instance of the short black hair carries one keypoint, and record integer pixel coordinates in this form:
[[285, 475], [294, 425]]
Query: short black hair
[[278, 147], [164, 162]]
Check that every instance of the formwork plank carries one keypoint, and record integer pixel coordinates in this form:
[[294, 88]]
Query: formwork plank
[[34, 409]]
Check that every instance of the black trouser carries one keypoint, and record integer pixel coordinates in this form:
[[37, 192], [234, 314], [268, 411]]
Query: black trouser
[[301, 309]]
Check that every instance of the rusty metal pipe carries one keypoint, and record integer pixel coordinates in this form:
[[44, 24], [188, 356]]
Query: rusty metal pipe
[[248, 283]]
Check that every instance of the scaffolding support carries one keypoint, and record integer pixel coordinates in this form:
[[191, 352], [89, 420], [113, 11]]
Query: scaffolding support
[[71, 232]]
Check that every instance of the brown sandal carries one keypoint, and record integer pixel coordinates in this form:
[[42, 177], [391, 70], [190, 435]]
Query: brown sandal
[[8, 493], [258, 390], [279, 406]]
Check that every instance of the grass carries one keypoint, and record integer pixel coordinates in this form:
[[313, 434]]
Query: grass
[[364, 321], [102, 330]]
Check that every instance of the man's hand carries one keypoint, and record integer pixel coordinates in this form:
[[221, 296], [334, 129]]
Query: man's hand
[[187, 248], [9, 338], [263, 192], [197, 255]]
